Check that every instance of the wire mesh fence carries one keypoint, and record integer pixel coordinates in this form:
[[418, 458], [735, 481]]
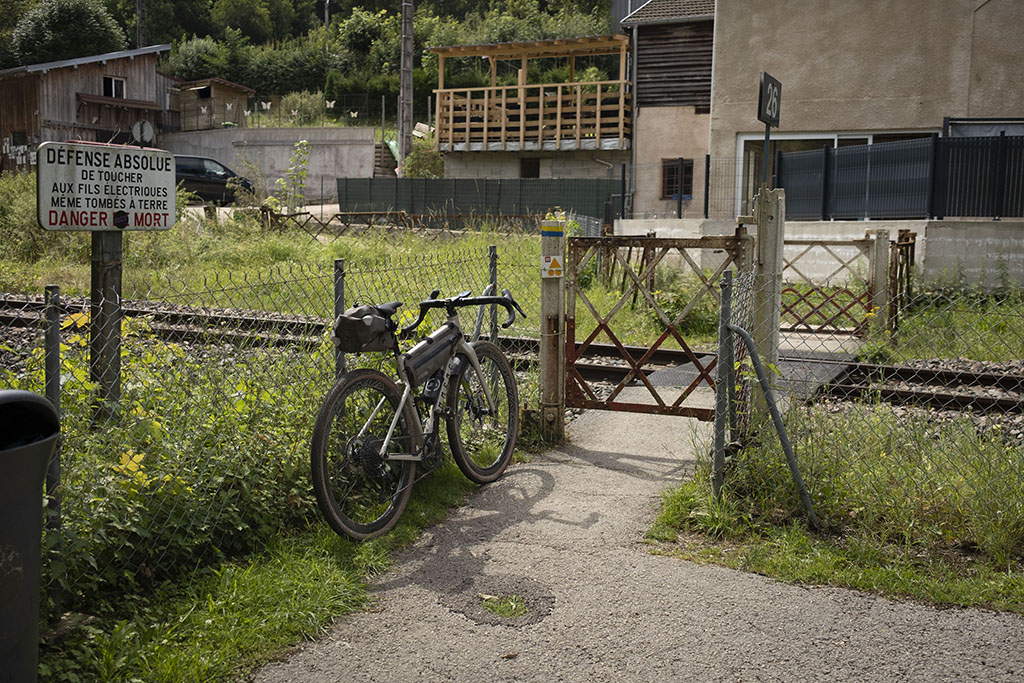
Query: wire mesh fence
[[910, 436], [200, 448], [263, 111]]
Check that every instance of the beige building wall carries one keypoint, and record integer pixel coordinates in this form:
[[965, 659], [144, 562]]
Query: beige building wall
[[668, 133], [865, 65]]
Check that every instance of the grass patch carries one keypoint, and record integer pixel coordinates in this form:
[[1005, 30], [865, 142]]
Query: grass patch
[[882, 533], [508, 606], [962, 324], [219, 624]]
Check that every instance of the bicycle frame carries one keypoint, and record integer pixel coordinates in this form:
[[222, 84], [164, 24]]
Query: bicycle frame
[[429, 426]]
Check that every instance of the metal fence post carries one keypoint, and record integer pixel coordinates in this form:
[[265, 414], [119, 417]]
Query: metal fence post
[[679, 187], [492, 259], [933, 157], [53, 472], [722, 382], [770, 212], [825, 169], [1000, 179], [622, 201], [879, 283], [707, 182], [552, 331], [339, 308]]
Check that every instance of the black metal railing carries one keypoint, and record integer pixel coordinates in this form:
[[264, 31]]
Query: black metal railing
[[925, 178]]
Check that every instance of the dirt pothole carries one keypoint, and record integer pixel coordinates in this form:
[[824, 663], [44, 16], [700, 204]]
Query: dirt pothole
[[475, 598]]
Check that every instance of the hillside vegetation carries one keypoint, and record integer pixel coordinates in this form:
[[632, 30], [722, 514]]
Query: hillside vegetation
[[277, 47]]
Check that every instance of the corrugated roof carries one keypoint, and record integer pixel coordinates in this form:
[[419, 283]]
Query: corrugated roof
[[662, 11], [191, 85], [122, 54]]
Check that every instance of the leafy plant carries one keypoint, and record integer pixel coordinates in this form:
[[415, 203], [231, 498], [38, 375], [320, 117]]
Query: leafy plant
[[292, 187]]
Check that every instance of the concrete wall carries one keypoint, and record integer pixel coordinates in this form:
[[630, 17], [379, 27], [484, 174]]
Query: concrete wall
[[334, 152], [979, 252], [865, 65], [668, 133], [575, 164], [990, 253]]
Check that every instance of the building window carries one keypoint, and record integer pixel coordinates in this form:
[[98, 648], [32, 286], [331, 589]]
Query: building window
[[19, 139], [529, 168], [671, 183], [113, 87]]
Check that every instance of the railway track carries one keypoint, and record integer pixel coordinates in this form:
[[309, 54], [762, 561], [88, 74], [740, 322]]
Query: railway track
[[939, 388], [182, 323], [946, 389]]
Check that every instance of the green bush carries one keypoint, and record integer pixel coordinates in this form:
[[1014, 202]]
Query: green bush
[[209, 459], [423, 161], [21, 238]]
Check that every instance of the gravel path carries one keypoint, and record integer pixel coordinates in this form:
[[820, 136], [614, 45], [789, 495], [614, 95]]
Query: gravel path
[[563, 532]]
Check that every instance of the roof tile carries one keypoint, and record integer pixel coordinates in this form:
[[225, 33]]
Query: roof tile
[[666, 10]]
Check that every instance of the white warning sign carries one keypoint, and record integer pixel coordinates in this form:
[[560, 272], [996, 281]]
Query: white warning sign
[[89, 186], [551, 266]]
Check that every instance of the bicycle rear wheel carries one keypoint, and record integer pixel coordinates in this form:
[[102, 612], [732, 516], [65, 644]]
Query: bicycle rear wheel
[[481, 439], [361, 494]]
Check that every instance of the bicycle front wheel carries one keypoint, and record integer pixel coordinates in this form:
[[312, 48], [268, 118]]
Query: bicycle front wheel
[[482, 438], [360, 493]]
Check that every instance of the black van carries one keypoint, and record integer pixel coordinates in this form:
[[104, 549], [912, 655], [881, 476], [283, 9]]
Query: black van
[[207, 178]]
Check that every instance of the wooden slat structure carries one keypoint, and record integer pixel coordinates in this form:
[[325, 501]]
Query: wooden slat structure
[[544, 116], [673, 65]]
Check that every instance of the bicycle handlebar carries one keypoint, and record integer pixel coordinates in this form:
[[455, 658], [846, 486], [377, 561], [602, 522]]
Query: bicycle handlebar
[[462, 300]]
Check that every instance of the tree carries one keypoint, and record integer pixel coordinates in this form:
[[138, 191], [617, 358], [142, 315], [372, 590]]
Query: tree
[[251, 17], [64, 29], [10, 13]]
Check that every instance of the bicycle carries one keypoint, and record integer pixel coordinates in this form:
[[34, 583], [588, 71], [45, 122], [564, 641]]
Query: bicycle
[[372, 432]]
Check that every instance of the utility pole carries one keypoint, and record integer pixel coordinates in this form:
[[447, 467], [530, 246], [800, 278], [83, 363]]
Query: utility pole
[[327, 13], [405, 86], [141, 35]]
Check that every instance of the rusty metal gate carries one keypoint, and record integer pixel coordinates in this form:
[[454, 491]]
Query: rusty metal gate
[[837, 298], [591, 271]]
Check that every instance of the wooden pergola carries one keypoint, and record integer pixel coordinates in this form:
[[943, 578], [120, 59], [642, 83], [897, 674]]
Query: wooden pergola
[[571, 115]]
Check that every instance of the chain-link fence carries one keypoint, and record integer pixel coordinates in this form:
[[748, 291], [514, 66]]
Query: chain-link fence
[[910, 435], [213, 110], [192, 443]]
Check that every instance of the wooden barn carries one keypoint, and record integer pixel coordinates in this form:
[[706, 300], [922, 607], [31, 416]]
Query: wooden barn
[[95, 98], [214, 103]]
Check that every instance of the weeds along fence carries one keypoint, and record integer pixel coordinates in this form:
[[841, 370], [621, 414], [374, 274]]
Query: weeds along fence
[[909, 437], [202, 452]]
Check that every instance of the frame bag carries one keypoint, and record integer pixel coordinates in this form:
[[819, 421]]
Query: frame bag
[[363, 329]]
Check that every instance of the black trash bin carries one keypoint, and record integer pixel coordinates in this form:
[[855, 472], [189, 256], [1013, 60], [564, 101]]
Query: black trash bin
[[28, 434]]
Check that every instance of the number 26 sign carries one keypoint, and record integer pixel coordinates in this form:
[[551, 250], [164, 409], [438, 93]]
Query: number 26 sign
[[768, 100]]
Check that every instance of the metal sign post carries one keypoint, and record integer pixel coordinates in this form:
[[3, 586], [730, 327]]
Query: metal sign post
[[768, 100], [105, 189]]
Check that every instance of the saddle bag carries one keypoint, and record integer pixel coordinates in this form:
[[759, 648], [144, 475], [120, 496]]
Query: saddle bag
[[362, 329]]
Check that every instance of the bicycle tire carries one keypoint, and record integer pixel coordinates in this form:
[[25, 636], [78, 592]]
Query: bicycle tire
[[361, 495], [482, 442]]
